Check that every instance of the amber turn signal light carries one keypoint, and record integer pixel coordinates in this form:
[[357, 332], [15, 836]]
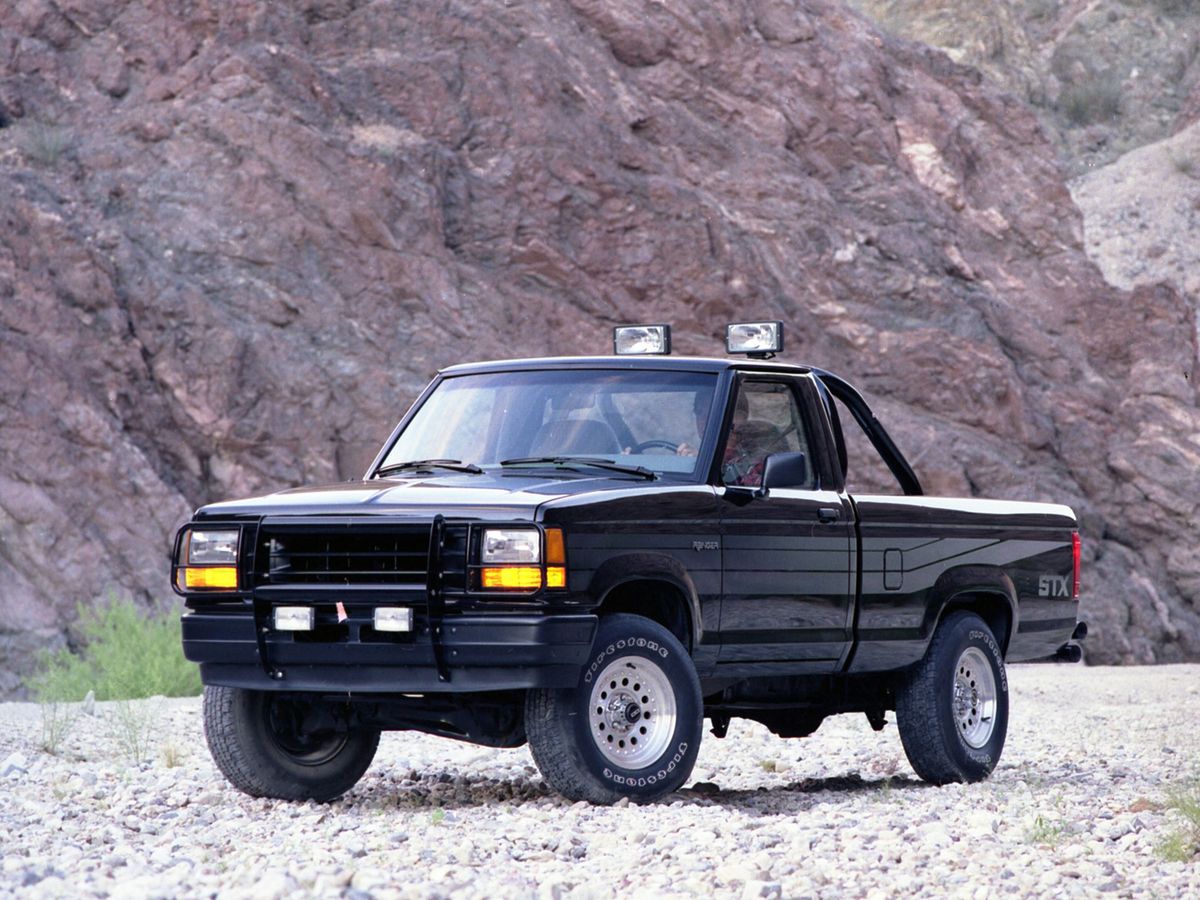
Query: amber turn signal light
[[556, 555], [221, 578], [511, 578]]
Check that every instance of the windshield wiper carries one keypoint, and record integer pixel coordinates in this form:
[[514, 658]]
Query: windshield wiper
[[454, 465], [569, 462]]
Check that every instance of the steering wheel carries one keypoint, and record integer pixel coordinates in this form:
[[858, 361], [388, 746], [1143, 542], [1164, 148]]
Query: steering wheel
[[655, 442]]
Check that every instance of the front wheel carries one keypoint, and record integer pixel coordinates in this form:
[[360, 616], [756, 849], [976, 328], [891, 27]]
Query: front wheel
[[952, 710], [630, 728], [276, 745]]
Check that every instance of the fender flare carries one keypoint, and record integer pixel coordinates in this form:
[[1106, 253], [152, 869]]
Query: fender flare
[[628, 567], [971, 579]]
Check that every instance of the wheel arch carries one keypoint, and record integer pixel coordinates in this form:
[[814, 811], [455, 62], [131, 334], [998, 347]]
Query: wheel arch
[[651, 585], [984, 590]]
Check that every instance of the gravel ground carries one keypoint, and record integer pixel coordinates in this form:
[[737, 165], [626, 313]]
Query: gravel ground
[[1075, 808]]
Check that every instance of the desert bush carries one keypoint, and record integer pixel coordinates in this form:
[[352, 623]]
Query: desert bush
[[1182, 843], [171, 753], [133, 728], [1041, 9], [57, 721], [1049, 831], [1185, 162], [1097, 99], [126, 655], [44, 143], [1172, 7]]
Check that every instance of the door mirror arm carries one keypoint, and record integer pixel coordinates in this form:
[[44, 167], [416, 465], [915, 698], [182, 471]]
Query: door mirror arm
[[779, 470]]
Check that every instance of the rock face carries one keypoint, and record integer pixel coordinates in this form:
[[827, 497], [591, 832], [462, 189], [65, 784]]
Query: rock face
[[1142, 214], [1104, 76], [238, 237]]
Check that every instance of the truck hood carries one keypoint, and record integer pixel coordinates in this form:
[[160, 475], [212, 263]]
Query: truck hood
[[492, 495]]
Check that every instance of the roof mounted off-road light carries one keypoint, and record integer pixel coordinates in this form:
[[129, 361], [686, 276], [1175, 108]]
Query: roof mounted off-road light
[[758, 340], [640, 340]]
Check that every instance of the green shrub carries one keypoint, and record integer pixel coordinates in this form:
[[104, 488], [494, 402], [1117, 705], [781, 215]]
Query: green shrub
[[57, 721], [1096, 100], [1042, 9], [1172, 7], [133, 728], [44, 143], [126, 655], [1182, 844], [1185, 163], [1048, 831]]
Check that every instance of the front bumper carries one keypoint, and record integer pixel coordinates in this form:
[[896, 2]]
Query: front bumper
[[478, 653]]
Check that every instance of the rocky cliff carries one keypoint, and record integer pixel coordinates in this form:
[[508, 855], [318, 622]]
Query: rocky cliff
[[237, 238], [1103, 76], [1142, 214]]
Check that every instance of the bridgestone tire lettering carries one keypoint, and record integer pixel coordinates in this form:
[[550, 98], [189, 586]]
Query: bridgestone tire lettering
[[680, 753], [925, 703], [641, 643], [994, 649]]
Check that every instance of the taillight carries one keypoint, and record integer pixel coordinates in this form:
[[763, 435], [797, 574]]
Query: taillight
[[1075, 564]]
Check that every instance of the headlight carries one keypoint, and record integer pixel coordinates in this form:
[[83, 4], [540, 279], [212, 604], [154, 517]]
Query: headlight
[[212, 548], [511, 545], [208, 560], [512, 559]]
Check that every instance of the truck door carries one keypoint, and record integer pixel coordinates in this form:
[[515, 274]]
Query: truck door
[[788, 558]]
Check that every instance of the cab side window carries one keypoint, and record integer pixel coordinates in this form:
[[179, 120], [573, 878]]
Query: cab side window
[[766, 419]]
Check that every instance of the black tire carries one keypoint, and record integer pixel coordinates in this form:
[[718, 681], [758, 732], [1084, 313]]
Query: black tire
[[258, 743], [646, 673], [950, 732]]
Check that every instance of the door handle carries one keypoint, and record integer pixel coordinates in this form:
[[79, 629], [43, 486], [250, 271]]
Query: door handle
[[828, 514]]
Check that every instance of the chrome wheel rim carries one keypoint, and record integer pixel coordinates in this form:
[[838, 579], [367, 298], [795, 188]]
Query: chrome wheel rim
[[632, 712], [974, 697]]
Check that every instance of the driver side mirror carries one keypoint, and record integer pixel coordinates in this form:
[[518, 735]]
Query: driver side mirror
[[784, 470]]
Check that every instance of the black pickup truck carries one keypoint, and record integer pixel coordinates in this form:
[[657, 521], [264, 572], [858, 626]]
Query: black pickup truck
[[593, 555]]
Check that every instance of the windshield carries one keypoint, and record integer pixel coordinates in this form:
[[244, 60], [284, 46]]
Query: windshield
[[652, 419]]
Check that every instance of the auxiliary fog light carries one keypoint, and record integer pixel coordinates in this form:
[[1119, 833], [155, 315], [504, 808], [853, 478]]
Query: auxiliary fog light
[[293, 618], [636, 340], [393, 618], [754, 338]]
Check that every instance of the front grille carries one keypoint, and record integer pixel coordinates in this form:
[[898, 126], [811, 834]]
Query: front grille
[[358, 553]]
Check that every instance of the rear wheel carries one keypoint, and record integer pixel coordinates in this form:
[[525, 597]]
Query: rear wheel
[[952, 710], [276, 745], [630, 728]]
